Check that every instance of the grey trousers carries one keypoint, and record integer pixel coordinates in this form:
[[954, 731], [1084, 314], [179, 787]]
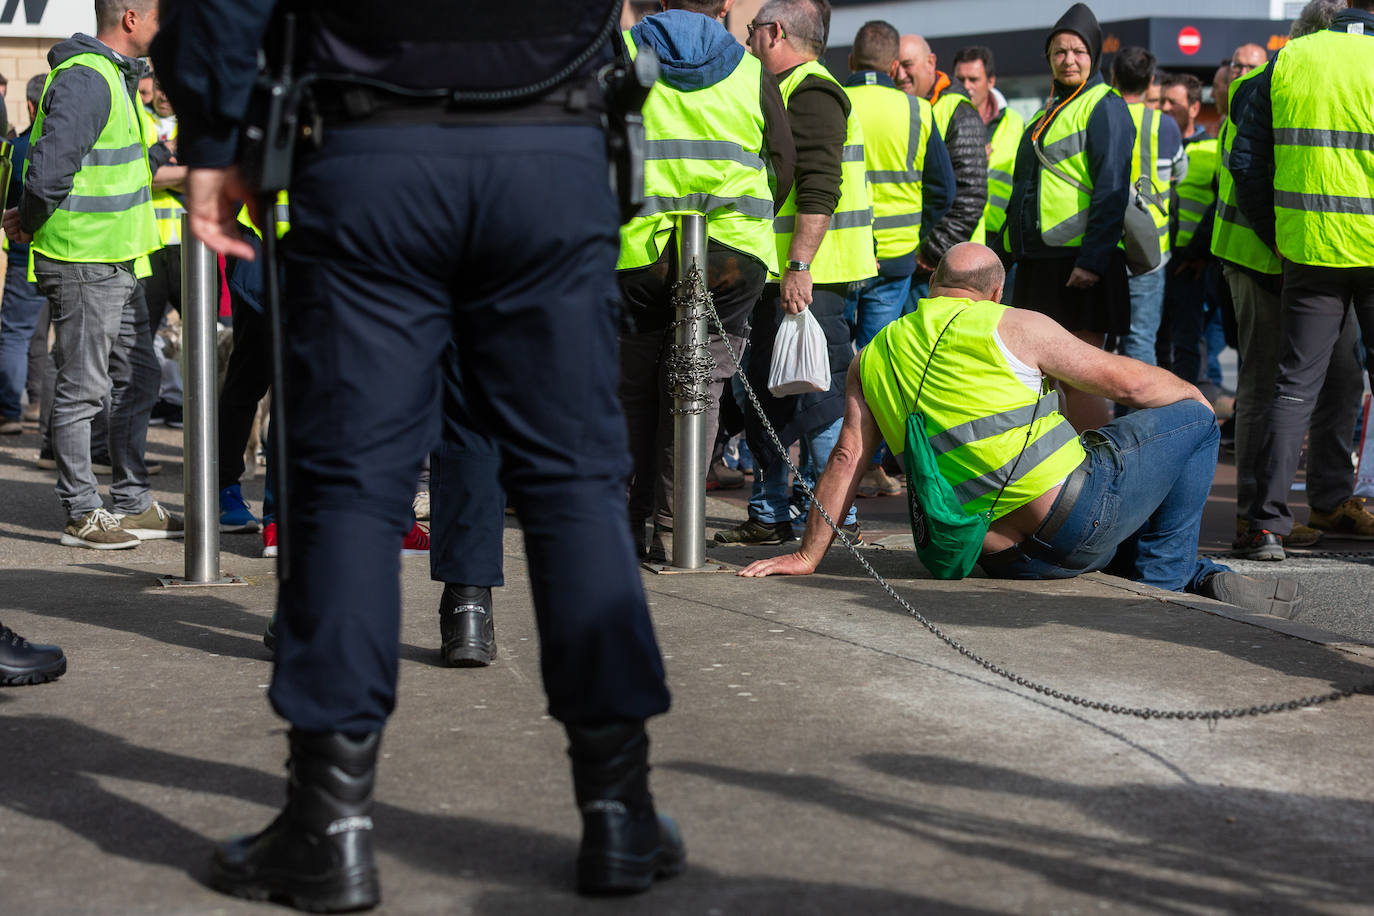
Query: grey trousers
[[1330, 477], [1318, 303], [102, 345]]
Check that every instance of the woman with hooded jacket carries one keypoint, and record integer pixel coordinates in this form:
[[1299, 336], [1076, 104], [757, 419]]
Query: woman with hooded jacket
[[1068, 201]]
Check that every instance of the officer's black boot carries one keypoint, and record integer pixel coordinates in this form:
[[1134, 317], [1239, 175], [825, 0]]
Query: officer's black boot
[[317, 854], [23, 662], [466, 630], [625, 844]]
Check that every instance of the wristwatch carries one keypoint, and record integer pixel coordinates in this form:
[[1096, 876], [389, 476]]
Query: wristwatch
[[798, 265]]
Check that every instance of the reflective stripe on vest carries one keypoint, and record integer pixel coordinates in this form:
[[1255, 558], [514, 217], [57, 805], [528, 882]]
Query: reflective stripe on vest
[[1233, 238], [1197, 190], [704, 154], [108, 214], [846, 253], [167, 209], [1145, 163], [896, 135], [1063, 216], [281, 209], [1324, 149], [978, 413], [1001, 165]]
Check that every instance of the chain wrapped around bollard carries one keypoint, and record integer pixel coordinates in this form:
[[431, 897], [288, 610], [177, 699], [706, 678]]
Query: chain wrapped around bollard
[[689, 364]]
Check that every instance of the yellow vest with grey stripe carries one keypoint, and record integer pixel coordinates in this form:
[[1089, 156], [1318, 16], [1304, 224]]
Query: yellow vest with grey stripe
[[704, 155], [1197, 191], [1233, 238], [944, 109], [979, 415], [167, 209], [1002, 147], [108, 215], [1063, 217], [846, 254], [896, 130], [1145, 164], [1324, 149], [282, 211]]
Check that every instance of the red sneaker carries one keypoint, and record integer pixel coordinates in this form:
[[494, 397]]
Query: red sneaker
[[417, 542], [269, 539]]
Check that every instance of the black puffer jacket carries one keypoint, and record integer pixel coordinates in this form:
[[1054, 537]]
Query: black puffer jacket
[[967, 142]]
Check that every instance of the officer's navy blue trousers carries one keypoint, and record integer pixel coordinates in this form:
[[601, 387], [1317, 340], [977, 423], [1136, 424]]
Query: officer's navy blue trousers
[[503, 240], [467, 503]]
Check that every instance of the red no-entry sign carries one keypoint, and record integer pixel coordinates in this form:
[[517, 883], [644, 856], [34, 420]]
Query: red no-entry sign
[[1189, 41]]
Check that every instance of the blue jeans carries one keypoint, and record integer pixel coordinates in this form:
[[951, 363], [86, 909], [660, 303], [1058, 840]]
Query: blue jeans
[[874, 304], [1185, 299], [1140, 508], [18, 318], [771, 500], [1147, 309], [920, 289], [1214, 333]]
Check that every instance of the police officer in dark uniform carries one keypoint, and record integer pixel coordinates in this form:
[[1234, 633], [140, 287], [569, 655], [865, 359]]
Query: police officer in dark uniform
[[458, 192]]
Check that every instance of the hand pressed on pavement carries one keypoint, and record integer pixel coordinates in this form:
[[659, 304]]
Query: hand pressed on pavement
[[791, 564]]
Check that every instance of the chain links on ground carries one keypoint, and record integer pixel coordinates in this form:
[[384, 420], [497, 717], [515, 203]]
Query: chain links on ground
[[1140, 712]]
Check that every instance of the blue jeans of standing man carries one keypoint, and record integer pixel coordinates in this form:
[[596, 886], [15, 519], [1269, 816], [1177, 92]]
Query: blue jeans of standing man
[[771, 500], [18, 318], [1140, 507], [1147, 309], [873, 304], [102, 347]]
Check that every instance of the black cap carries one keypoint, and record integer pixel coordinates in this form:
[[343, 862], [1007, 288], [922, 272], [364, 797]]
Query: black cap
[[1079, 19]]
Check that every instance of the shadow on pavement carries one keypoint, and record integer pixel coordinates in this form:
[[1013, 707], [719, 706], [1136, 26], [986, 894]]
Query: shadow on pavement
[[1170, 848], [63, 785]]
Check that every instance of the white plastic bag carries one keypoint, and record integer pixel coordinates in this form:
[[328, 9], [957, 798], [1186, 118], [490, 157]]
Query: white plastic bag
[[800, 361], [1364, 478]]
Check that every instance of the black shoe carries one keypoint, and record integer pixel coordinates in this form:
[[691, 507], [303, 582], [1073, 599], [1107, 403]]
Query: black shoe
[[625, 843], [466, 630], [855, 535], [22, 662], [166, 412], [1280, 597], [1258, 545], [752, 532], [317, 854]]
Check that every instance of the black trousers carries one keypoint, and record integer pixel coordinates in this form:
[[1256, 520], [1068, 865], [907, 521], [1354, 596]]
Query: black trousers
[[499, 241], [1314, 303]]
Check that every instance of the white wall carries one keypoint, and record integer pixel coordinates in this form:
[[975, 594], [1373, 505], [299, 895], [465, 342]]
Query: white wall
[[48, 18]]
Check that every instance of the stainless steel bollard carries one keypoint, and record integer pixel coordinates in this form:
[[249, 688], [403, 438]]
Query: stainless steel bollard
[[199, 321], [689, 426]]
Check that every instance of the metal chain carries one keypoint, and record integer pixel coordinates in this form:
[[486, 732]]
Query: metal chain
[[1140, 712], [690, 367]]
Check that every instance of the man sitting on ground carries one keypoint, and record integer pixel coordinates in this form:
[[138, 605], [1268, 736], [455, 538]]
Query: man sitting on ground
[[1127, 497]]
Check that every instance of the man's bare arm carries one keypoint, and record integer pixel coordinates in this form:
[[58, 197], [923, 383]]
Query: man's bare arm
[[859, 439], [1040, 342]]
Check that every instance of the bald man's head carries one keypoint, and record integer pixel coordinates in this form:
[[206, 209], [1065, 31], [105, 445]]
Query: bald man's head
[[915, 66], [969, 268], [1246, 58]]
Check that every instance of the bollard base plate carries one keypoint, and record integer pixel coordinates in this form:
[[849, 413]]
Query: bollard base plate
[[183, 582], [667, 569]]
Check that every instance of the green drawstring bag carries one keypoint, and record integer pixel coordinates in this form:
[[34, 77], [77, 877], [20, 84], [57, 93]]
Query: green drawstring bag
[[948, 539]]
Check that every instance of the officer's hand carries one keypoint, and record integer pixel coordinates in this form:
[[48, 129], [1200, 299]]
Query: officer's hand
[[1082, 279], [796, 291], [12, 230], [792, 564], [213, 199]]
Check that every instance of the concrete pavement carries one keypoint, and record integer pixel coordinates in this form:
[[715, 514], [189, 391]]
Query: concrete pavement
[[825, 754]]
